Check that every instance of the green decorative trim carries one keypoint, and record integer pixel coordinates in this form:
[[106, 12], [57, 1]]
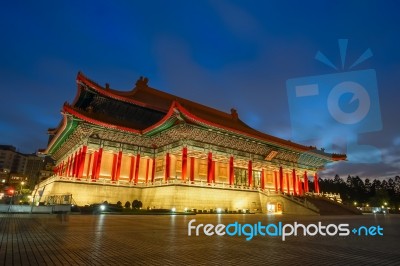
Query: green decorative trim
[[72, 123], [169, 123]]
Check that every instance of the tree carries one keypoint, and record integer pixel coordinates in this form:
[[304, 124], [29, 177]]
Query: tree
[[367, 185], [137, 204], [375, 192], [380, 198], [127, 205], [397, 185], [390, 188]]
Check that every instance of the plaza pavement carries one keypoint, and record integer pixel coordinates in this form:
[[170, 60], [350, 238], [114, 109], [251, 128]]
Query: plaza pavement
[[162, 240]]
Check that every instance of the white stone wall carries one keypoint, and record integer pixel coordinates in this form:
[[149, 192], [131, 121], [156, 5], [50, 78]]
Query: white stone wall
[[176, 196]]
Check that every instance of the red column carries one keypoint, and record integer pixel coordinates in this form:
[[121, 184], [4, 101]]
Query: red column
[[305, 182], [77, 163], [167, 167], [67, 168], [316, 183], [300, 186], [82, 161], [231, 171], [88, 167], [114, 166], [118, 170], [98, 164], [147, 170], [60, 170], [71, 161], [137, 168], [94, 167], [72, 170], [132, 168], [294, 180], [184, 163], [153, 170], [213, 172], [209, 167], [74, 164], [287, 183], [276, 181], [262, 179], [281, 178], [78, 166], [250, 173], [191, 169]]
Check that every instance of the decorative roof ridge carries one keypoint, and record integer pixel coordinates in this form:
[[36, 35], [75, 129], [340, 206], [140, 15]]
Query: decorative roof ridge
[[178, 99], [58, 132], [169, 114], [77, 113], [114, 94], [141, 85], [273, 139]]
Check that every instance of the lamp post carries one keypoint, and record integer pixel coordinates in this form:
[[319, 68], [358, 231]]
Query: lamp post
[[20, 189], [20, 196]]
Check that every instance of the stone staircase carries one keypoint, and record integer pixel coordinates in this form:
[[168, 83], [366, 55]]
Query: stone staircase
[[329, 207]]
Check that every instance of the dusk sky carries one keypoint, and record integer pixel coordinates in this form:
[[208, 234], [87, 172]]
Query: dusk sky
[[222, 54]]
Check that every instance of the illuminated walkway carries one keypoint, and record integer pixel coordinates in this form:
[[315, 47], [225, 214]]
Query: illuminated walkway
[[163, 240]]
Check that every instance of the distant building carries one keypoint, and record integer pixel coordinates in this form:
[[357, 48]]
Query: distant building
[[16, 167], [11, 160], [47, 169], [34, 166]]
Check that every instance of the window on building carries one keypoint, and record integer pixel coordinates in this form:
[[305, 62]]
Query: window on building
[[240, 176], [256, 178]]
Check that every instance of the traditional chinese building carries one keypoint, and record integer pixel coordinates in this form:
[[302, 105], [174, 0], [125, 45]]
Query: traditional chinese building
[[170, 152]]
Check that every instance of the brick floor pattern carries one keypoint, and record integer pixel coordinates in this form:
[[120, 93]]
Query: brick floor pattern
[[162, 240]]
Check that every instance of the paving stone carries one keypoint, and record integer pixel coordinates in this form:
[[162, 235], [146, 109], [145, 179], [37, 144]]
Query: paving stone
[[162, 240]]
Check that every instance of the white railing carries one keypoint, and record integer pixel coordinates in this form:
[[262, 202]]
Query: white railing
[[302, 201], [157, 183], [331, 196]]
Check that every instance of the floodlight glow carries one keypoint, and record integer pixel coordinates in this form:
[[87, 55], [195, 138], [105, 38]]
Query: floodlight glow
[[102, 207], [173, 209]]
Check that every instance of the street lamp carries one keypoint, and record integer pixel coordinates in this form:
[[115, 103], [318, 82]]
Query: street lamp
[[22, 184]]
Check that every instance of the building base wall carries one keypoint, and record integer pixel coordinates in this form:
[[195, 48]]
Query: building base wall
[[200, 198], [178, 196], [86, 194]]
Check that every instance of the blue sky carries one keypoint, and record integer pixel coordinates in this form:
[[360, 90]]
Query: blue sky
[[223, 54]]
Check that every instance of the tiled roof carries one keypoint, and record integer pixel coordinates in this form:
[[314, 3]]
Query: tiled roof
[[125, 107]]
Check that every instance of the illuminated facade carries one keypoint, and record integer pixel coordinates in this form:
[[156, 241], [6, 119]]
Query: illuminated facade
[[171, 152]]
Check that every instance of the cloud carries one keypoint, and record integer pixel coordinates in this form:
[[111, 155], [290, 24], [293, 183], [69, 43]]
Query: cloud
[[237, 20], [389, 167], [396, 141]]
